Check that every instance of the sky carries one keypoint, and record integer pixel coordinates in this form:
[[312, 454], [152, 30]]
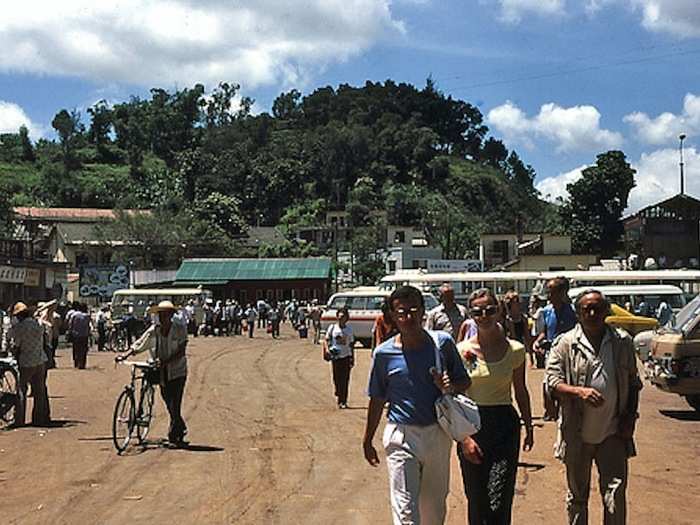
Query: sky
[[559, 81]]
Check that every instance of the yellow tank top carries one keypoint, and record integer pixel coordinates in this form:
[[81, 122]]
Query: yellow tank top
[[491, 381]]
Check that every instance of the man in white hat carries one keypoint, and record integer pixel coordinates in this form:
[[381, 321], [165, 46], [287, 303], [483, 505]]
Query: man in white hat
[[27, 343], [167, 342]]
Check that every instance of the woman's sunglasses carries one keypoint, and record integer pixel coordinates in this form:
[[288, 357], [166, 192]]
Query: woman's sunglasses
[[484, 312]]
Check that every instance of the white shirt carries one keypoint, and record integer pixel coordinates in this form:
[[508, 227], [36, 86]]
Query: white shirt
[[600, 422], [340, 341]]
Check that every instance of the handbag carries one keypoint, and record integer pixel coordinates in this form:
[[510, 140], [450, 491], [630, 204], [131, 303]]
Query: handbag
[[457, 414]]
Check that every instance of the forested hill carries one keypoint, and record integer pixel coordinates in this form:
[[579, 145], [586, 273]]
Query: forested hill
[[212, 167]]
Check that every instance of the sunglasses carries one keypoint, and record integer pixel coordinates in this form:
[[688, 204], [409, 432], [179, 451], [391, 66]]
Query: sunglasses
[[403, 313], [484, 312]]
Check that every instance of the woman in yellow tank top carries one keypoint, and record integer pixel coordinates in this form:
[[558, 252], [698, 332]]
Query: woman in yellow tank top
[[489, 459]]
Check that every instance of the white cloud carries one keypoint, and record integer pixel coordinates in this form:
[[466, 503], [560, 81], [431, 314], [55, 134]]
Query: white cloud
[[553, 188], [666, 127], [572, 129], [678, 17], [512, 11], [657, 178], [12, 117], [165, 42]]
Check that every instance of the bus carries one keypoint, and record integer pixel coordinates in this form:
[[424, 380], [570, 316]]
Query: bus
[[528, 283], [140, 298]]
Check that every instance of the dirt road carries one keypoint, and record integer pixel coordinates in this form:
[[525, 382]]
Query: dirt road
[[269, 447]]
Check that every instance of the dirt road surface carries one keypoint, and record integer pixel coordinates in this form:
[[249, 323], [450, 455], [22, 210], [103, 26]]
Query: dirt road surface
[[270, 447]]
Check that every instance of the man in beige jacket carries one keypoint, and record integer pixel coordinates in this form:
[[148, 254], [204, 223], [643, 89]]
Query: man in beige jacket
[[592, 369]]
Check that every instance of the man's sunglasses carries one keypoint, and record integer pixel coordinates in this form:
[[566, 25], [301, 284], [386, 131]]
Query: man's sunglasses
[[483, 312], [402, 313]]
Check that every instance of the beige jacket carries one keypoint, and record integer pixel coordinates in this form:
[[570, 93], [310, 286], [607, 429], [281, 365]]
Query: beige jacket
[[163, 347], [569, 364]]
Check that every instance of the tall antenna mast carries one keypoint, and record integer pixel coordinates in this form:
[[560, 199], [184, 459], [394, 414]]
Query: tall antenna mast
[[680, 150]]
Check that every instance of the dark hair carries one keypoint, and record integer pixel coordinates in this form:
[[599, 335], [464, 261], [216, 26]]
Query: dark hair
[[588, 291], [559, 283], [482, 292], [406, 292], [342, 310]]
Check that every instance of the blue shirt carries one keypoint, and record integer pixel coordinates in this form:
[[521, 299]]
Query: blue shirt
[[403, 378], [556, 322]]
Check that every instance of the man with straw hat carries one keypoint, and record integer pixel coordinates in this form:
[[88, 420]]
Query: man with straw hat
[[27, 343], [166, 342]]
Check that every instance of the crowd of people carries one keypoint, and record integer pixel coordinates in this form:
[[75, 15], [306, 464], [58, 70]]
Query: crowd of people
[[591, 387]]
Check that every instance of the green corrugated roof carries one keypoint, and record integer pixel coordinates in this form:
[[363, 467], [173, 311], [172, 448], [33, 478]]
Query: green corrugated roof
[[206, 270]]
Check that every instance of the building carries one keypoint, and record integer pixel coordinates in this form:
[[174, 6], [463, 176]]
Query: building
[[248, 280], [668, 232], [27, 275], [530, 252]]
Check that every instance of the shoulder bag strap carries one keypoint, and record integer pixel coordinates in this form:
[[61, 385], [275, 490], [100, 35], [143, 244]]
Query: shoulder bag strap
[[436, 344]]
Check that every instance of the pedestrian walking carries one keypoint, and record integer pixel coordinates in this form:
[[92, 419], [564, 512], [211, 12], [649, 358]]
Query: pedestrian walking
[[489, 458], [448, 315], [516, 324], [51, 320], [166, 342], [384, 326], [558, 317], [338, 349], [315, 316], [593, 371], [80, 327], [417, 448], [102, 328], [251, 314], [273, 317], [190, 311], [26, 340]]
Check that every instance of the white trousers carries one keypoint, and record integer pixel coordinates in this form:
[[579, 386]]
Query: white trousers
[[418, 459]]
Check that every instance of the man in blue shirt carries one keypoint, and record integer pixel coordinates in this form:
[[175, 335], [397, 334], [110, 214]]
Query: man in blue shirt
[[417, 449], [558, 317]]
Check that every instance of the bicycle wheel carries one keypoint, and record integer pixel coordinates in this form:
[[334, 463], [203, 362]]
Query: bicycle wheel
[[9, 396], [124, 420], [145, 413]]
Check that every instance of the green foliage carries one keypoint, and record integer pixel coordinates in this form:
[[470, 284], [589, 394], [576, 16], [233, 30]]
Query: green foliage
[[593, 212]]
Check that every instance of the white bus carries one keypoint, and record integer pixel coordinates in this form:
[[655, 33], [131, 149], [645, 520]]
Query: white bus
[[140, 298], [527, 283]]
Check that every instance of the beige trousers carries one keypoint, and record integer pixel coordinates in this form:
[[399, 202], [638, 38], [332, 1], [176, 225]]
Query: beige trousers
[[610, 458], [418, 459]]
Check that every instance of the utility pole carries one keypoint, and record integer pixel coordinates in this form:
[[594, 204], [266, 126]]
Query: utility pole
[[335, 243], [680, 150]]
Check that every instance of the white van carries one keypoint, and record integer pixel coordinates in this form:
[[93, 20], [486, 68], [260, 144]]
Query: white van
[[633, 294], [364, 305]]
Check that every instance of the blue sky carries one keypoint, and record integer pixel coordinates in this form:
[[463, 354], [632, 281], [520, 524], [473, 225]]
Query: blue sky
[[558, 80]]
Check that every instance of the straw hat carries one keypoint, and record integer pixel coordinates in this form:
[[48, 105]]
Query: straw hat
[[164, 306], [41, 306], [19, 308]]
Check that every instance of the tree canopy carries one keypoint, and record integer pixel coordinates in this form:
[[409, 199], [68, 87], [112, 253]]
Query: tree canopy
[[425, 158]]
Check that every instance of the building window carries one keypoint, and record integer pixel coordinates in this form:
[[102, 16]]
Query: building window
[[279, 294], [307, 294], [400, 237], [82, 259], [244, 297], [391, 266]]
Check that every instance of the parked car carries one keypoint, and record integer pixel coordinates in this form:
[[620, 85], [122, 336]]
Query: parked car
[[364, 305], [673, 363]]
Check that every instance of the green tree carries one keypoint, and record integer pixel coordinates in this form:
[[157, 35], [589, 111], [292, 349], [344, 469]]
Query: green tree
[[592, 213], [28, 154], [69, 129], [222, 212]]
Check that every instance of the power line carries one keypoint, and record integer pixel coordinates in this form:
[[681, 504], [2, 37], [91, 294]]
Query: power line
[[572, 71]]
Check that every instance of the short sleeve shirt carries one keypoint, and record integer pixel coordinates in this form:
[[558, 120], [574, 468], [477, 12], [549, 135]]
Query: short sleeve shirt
[[556, 322], [403, 378], [492, 380], [340, 340]]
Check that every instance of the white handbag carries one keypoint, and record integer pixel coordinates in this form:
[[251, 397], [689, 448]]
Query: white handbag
[[457, 414]]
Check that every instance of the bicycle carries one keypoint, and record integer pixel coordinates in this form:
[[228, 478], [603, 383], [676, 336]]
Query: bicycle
[[116, 337], [9, 391], [134, 408]]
